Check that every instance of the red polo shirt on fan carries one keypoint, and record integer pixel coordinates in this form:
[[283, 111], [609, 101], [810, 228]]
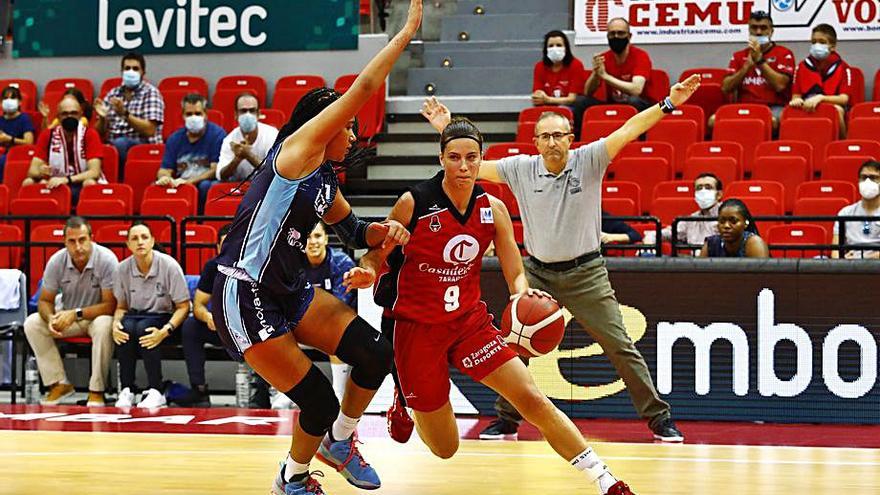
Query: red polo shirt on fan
[[829, 77], [637, 63], [560, 84], [754, 88]]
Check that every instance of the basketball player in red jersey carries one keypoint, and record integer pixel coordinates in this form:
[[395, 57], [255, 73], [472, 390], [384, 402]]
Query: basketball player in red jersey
[[430, 290]]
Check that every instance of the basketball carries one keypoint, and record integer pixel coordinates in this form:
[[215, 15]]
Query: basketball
[[533, 325]]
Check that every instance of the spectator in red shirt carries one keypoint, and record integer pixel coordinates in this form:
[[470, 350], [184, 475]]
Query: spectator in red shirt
[[70, 153], [823, 77], [762, 72], [624, 68], [559, 76]]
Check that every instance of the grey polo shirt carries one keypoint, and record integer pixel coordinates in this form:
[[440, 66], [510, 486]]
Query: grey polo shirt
[[859, 233], [80, 289], [158, 292], [561, 214]]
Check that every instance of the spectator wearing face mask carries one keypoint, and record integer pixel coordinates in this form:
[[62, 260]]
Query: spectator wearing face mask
[[192, 152], [16, 128], [863, 232], [70, 153], [707, 194], [132, 113], [625, 69], [737, 234], [43, 108], [559, 75], [244, 149], [763, 70], [823, 77]]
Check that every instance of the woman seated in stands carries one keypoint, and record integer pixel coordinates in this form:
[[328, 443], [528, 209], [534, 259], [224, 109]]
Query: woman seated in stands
[[738, 235], [16, 128], [559, 76]]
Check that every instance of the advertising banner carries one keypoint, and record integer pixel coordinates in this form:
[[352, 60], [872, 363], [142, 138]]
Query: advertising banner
[[55, 28], [712, 21]]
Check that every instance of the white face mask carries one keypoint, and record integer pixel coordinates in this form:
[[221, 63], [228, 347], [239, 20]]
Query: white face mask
[[195, 123], [869, 189], [556, 54], [10, 105], [705, 198]]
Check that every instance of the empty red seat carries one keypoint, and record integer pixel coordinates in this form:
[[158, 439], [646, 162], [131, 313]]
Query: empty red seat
[[657, 86], [745, 111], [853, 147], [46, 240], [10, 256], [114, 237], [763, 188], [690, 112], [796, 234], [747, 132], [679, 133], [146, 152], [593, 130], [173, 111], [789, 171], [139, 174], [623, 190], [532, 114], [503, 150], [674, 189], [857, 94], [716, 149], [784, 148], [827, 189], [269, 116], [189, 84], [4, 200], [371, 118], [243, 83], [110, 163], [876, 95], [108, 85], [668, 209], [826, 207], [186, 192], [816, 131], [646, 172], [224, 207], [63, 84], [823, 111], [723, 167], [176, 208], [620, 207], [200, 246], [868, 109], [843, 168], [91, 208], [763, 206], [60, 194], [864, 128], [112, 191], [648, 149], [491, 188], [28, 91], [286, 99], [610, 112], [227, 189]]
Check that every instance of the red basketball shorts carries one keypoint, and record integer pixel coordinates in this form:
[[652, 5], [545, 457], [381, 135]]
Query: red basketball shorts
[[423, 353]]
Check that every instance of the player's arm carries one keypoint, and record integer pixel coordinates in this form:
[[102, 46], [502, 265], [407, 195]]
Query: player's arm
[[363, 276], [360, 234], [507, 250], [641, 123], [307, 145]]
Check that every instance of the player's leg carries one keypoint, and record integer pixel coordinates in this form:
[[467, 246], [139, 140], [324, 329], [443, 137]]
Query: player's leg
[[438, 430], [400, 424]]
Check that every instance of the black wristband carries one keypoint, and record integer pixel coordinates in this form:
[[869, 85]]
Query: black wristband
[[666, 105]]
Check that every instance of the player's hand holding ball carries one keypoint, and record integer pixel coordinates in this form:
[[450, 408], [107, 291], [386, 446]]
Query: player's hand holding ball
[[533, 324], [532, 292]]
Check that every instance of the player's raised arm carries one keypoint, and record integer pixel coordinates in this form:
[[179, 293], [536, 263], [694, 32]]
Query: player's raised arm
[[364, 275]]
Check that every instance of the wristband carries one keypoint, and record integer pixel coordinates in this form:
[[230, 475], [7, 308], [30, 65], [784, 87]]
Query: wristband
[[79, 313], [666, 105], [170, 327]]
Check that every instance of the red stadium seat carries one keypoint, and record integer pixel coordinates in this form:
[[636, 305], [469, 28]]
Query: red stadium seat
[[285, 100], [219, 118], [789, 171], [858, 86], [302, 81], [492, 188], [610, 112], [843, 168], [14, 174], [723, 167], [674, 189], [37, 120], [60, 194], [532, 114], [745, 111], [747, 132], [623, 190], [709, 95], [668, 209], [243, 83], [525, 132], [827, 189], [33, 208], [28, 92], [680, 134], [110, 164], [10, 256], [152, 152], [173, 111], [226, 189], [4, 200], [196, 257], [796, 234], [816, 131], [91, 208], [876, 95], [763, 206], [620, 207], [819, 207], [786, 149], [864, 128], [139, 174], [51, 238], [853, 147], [509, 200], [690, 112], [648, 149], [268, 116], [112, 191], [188, 84], [503, 150], [371, 118], [186, 192], [224, 207], [224, 100], [114, 237], [868, 109], [823, 111], [63, 84], [109, 85], [657, 86], [716, 149], [708, 75], [593, 130], [176, 208], [646, 172], [763, 188]]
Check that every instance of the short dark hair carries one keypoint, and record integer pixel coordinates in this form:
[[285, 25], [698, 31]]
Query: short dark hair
[[827, 30], [458, 128], [244, 94], [76, 222], [569, 56], [193, 98], [11, 92], [133, 56], [718, 185], [743, 210], [760, 15], [870, 164], [224, 230]]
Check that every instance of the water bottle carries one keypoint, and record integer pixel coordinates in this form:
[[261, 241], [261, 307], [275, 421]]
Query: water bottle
[[31, 382], [242, 386]]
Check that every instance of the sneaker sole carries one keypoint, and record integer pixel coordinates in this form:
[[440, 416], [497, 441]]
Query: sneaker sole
[[669, 439], [503, 436], [328, 460]]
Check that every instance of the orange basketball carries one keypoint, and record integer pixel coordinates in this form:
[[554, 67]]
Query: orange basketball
[[533, 325]]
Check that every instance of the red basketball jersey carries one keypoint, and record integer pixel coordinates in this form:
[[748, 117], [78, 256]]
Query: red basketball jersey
[[435, 278]]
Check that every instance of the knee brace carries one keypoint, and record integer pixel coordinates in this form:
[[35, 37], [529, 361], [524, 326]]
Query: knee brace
[[317, 403], [368, 353]]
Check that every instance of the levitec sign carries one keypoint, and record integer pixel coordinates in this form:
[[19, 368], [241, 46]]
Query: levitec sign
[[92, 27], [706, 21]]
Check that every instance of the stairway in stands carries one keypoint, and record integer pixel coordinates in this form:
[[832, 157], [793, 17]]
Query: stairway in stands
[[481, 67]]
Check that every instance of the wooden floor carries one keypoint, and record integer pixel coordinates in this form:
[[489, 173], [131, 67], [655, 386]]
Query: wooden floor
[[72, 463]]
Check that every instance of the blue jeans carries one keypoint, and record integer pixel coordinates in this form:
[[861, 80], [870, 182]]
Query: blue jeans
[[204, 186]]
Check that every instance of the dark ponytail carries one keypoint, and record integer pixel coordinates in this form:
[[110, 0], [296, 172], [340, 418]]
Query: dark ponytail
[[744, 211]]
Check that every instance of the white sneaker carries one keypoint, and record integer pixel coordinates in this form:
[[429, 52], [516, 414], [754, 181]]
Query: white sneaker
[[281, 401], [126, 398], [152, 399]]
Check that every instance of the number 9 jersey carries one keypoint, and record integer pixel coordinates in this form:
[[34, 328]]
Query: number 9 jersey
[[435, 278]]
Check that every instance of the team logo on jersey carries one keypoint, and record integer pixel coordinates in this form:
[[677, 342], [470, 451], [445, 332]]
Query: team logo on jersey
[[486, 215], [575, 184], [434, 225], [462, 249], [322, 199], [293, 238], [435, 207]]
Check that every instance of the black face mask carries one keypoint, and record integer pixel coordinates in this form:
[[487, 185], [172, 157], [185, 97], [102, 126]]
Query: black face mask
[[70, 123], [618, 45]]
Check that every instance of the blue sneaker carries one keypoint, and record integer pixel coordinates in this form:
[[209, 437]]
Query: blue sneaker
[[345, 458], [307, 486]]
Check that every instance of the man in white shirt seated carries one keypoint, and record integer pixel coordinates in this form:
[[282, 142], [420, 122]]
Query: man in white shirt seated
[[244, 149], [865, 232]]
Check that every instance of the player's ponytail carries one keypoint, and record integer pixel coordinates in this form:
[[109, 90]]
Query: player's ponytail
[[460, 128]]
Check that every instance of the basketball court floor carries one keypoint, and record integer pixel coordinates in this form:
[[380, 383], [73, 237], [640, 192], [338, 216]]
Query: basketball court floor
[[74, 450]]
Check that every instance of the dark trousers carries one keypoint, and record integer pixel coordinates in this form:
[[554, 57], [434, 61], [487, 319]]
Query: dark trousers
[[195, 335], [135, 324]]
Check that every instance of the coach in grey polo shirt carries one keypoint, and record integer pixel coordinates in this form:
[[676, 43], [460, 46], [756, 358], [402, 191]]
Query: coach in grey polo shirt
[[560, 195], [83, 273]]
